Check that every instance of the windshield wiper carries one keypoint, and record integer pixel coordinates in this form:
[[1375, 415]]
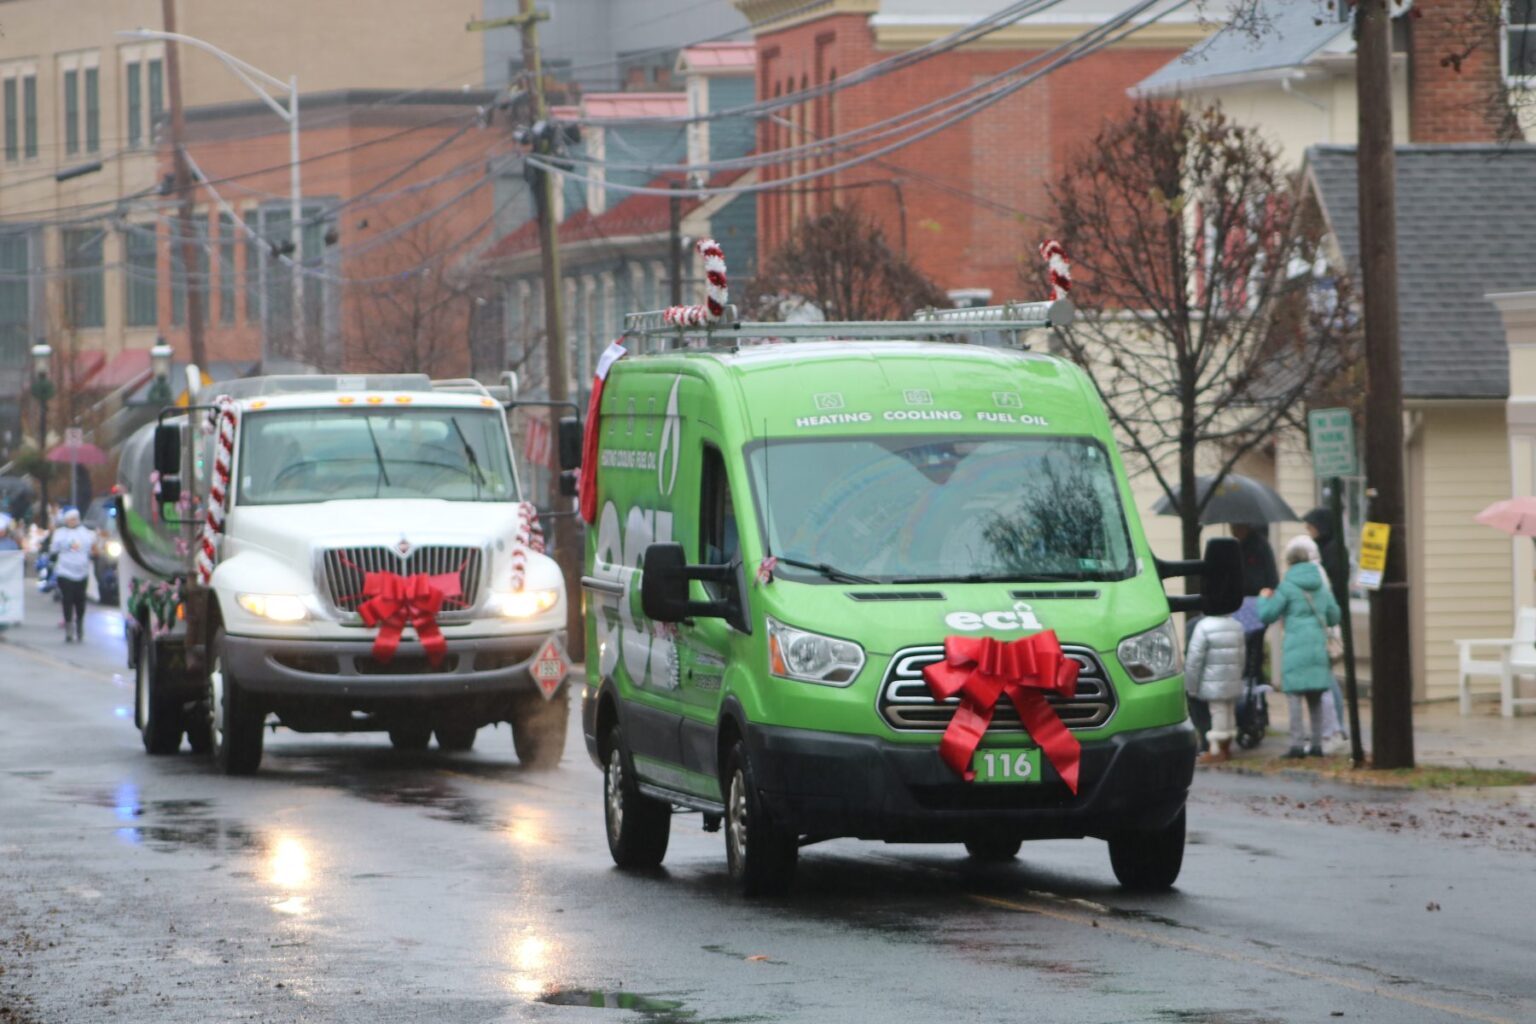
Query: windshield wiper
[[469, 455], [377, 455], [998, 577], [831, 572]]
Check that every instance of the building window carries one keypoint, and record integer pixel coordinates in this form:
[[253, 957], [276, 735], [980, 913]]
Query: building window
[[72, 112], [29, 108], [179, 275], [143, 277], [135, 105], [226, 269], [1520, 41], [15, 297], [86, 288], [12, 123], [93, 110], [253, 258], [156, 99]]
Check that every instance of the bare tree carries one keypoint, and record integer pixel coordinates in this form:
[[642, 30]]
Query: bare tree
[[841, 264], [1212, 323]]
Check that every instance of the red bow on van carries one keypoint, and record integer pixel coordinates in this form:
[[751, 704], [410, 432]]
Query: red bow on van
[[979, 670], [394, 600]]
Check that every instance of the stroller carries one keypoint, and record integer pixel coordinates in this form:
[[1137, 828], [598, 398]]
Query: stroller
[[1252, 712]]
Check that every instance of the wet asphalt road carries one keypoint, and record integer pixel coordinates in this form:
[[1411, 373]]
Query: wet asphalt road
[[349, 883]]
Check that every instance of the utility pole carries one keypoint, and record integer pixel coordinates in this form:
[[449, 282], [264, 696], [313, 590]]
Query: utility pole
[[1391, 660], [184, 213], [675, 242]]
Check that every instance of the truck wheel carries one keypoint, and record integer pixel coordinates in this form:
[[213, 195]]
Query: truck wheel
[[760, 853], [538, 729], [236, 724], [158, 719], [455, 738], [1149, 861], [993, 849], [638, 826], [412, 737]]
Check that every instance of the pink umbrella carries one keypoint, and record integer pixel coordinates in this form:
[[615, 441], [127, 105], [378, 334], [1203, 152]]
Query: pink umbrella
[[84, 453], [1515, 516]]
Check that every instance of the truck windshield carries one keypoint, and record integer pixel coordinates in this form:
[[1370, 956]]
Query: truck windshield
[[907, 509], [302, 456]]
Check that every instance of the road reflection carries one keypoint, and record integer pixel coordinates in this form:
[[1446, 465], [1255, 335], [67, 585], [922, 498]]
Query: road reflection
[[289, 871]]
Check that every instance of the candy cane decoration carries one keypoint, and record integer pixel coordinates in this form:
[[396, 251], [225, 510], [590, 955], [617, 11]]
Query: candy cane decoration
[[1060, 268], [530, 537], [717, 294], [223, 420]]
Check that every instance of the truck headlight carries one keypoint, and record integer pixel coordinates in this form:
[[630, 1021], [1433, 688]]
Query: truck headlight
[[277, 607], [812, 658], [523, 604], [1152, 655]]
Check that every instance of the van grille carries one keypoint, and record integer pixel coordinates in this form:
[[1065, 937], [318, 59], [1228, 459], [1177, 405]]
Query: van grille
[[342, 571], [906, 704]]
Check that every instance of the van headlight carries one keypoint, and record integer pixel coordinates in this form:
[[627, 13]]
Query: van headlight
[[277, 607], [1152, 655], [812, 658], [523, 604]]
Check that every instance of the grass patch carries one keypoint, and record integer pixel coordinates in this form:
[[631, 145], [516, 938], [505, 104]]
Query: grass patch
[[1430, 776]]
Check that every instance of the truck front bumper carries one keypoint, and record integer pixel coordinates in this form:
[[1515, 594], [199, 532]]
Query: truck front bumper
[[828, 785], [348, 668]]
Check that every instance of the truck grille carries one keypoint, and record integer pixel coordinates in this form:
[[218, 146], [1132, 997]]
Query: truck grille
[[906, 704], [342, 571]]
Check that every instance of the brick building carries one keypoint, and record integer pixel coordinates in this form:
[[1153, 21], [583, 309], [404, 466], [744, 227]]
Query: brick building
[[971, 202]]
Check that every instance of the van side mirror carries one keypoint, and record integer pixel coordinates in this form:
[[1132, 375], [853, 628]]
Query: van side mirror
[[570, 441], [168, 461], [1221, 579], [664, 581]]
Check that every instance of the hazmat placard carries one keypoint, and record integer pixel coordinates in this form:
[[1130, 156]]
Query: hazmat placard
[[1373, 554]]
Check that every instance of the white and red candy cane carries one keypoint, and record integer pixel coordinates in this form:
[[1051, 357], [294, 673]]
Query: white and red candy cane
[[224, 417], [530, 537], [1060, 267], [717, 293]]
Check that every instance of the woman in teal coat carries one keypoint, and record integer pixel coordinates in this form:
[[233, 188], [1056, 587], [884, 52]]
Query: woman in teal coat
[[1305, 603]]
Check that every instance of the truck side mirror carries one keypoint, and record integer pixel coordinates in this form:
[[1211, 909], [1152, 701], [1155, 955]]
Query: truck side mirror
[[664, 588], [168, 461], [568, 482], [1221, 585], [571, 441]]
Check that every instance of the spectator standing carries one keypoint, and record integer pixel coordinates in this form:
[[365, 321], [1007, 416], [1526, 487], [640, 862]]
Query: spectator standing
[[1213, 672], [1305, 604], [73, 547], [1259, 574]]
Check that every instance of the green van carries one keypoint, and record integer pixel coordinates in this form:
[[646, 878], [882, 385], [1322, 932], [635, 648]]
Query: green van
[[789, 523]]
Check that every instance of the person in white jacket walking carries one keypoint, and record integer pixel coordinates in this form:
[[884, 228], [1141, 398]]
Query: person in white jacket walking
[[1213, 672]]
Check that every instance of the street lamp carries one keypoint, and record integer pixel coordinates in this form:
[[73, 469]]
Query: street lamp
[[259, 82], [42, 391], [160, 362]]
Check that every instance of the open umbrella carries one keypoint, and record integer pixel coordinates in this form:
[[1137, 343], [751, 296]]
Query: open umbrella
[[1238, 499], [83, 453], [1515, 516]]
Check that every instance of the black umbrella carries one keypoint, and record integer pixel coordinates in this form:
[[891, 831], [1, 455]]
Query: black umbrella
[[1238, 499]]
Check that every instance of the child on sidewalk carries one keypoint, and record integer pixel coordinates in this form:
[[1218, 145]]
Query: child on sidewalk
[[1213, 672]]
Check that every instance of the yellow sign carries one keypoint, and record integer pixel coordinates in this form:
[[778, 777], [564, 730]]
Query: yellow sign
[[1373, 554]]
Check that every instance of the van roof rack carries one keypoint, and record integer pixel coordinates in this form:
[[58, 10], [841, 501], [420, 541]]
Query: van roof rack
[[927, 324]]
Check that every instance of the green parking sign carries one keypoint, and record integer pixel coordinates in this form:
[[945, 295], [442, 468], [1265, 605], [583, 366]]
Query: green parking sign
[[1331, 433]]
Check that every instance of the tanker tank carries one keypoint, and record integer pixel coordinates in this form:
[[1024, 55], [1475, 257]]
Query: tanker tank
[[149, 538]]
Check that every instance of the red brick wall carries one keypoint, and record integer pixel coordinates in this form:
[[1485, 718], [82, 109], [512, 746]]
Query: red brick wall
[[1447, 104], [1006, 155]]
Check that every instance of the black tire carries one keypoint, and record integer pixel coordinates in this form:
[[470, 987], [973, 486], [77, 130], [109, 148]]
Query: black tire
[[993, 849], [1248, 740], [157, 714], [1149, 861], [410, 737], [457, 737], [638, 827], [236, 720], [538, 729], [760, 853]]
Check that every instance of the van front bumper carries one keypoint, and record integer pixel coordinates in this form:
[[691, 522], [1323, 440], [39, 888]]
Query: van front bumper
[[829, 785], [347, 668]]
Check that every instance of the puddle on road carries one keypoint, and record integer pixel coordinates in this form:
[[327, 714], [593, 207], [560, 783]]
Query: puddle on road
[[653, 1007], [167, 825], [1213, 1016]]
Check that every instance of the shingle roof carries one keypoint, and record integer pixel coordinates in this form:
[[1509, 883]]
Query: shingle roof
[[1292, 32], [1465, 227]]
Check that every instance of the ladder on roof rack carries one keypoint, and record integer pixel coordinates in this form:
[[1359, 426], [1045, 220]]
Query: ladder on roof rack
[[1012, 317]]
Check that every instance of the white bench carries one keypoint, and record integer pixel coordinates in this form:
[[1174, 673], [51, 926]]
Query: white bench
[[1515, 657]]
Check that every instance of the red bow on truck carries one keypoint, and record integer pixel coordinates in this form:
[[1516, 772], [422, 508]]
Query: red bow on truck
[[393, 600], [979, 670]]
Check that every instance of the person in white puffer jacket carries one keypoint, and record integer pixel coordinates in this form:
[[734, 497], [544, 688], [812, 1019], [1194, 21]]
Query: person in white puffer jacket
[[1213, 672]]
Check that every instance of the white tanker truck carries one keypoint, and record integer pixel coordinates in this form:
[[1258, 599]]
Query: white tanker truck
[[339, 554]]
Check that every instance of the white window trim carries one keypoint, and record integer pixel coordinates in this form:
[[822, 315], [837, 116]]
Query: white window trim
[[1518, 81]]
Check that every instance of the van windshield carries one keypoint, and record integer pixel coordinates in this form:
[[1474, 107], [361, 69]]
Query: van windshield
[[302, 456], [926, 508]]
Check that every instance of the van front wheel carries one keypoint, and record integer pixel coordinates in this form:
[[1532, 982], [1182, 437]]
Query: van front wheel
[[638, 827], [1149, 861], [761, 854]]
